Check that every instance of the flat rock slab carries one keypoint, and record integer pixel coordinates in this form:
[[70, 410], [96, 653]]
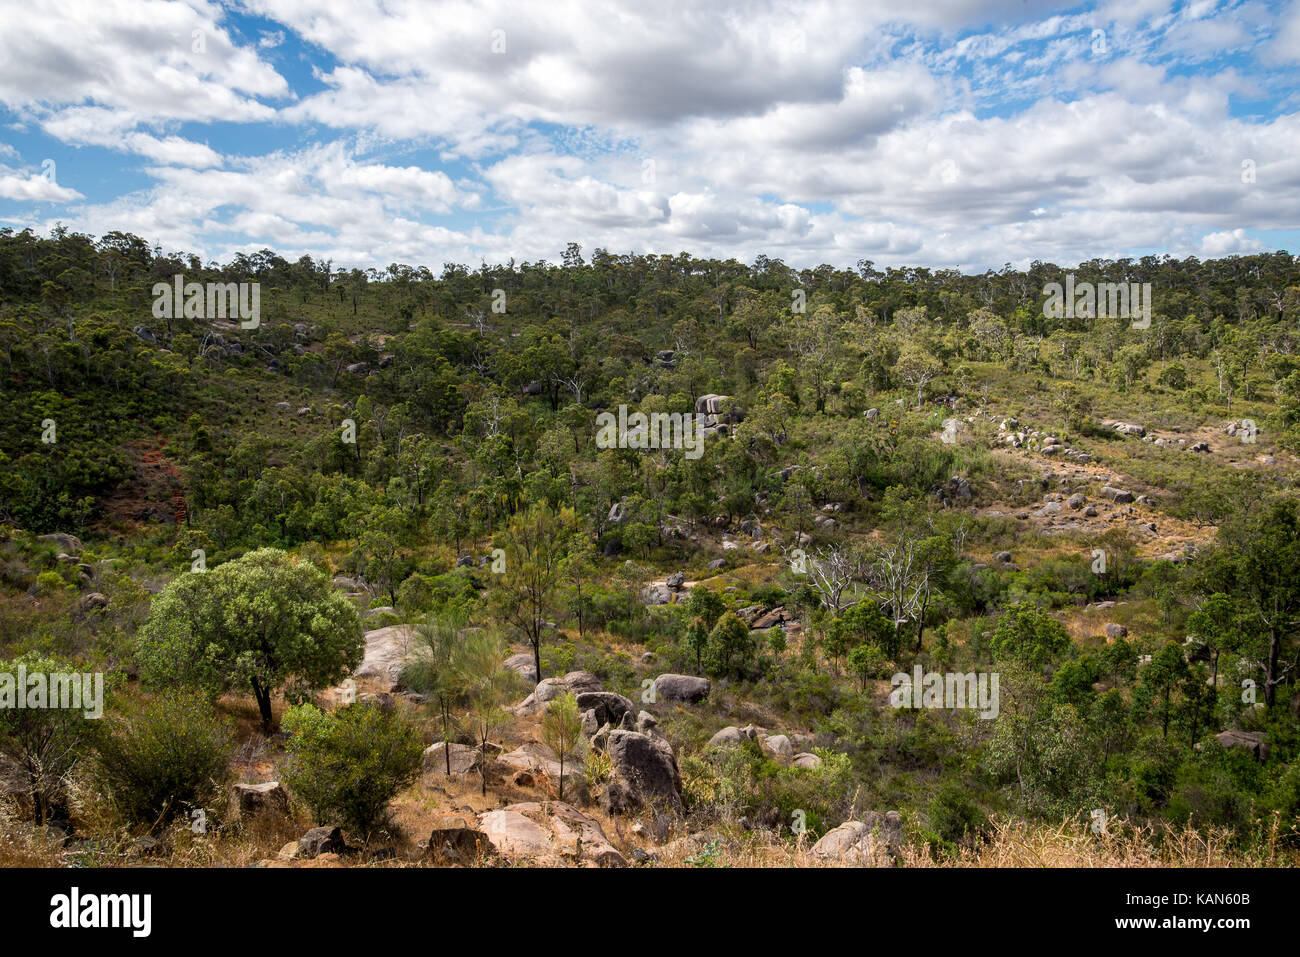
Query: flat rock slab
[[522, 664], [552, 833], [871, 842], [387, 650], [463, 758]]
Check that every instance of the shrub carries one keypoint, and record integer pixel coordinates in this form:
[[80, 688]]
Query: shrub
[[867, 661], [348, 765], [562, 731], [745, 781], [50, 583], [167, 755], [954, 817], [1027, 635], [730, 647], [43, 742]]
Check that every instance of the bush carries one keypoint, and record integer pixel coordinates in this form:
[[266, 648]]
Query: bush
[[1027, 635], [50, 583], [954, 817], [348, 765], [1209, 791], [745, 781], [43, 742], [168, 755]]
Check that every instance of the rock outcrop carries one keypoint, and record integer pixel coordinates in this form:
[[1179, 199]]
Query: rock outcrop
[[872, 842], [688, 688], [552, 833]]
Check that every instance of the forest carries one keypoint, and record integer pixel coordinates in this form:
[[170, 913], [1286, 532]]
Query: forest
[[378, 550]]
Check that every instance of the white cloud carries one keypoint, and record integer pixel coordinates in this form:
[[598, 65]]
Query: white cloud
[[941, 132], [153, 58], [1233, 242], [26, 187]]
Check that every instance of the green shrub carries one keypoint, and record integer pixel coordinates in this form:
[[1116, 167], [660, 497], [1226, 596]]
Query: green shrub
[[746, 781], [50, 583], [954, 817], [346, 766], [165, 756], [1027, 635], [43, 742]]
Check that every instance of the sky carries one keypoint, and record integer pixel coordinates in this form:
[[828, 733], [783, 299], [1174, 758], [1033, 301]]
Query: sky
[[960, 134]]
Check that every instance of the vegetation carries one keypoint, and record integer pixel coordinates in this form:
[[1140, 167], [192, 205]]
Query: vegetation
[[261, 621], [348, 765], [169, 756], [229, 511]]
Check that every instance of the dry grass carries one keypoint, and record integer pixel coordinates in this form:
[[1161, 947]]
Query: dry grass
[[436, 798], [1124, 844]]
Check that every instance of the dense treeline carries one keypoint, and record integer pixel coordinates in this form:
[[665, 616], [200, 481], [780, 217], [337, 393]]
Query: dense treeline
[[517, 389]]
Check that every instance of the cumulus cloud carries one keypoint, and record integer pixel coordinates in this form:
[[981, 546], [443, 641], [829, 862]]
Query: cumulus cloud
[[948, 133], [36, 187], [155, 58], [1233, 242]]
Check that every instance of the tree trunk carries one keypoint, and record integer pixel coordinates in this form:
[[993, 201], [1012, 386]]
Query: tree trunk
[[263, 696], [1270, 680], [38, 799], [446, 733], [537, 655], [920, 623]]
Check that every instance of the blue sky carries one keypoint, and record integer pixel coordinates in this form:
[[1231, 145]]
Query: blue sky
[[945, 133]]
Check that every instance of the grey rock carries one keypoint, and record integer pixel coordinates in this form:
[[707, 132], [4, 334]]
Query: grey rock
[[730, 736], [656, 595], [646, 765], [257, 800], [93, 601], [553, 832], [463, 758], [609, 707], [321, 840], [671, 687], [872, 842], [522, 664], [1253, 741], [457, 845], [65, 542]]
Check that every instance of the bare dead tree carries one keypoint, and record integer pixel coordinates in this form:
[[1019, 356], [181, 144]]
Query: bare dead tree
[[836, 569]]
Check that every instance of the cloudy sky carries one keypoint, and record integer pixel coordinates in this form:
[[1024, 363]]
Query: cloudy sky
[[945, 133]]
